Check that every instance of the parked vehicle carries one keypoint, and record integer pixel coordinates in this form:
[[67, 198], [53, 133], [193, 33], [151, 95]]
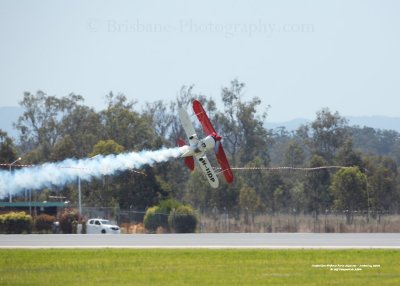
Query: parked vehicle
[[97, 225]]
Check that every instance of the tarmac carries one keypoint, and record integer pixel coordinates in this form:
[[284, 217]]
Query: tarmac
[[206, 240]]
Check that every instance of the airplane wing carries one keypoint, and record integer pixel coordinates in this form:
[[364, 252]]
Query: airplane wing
[[208, 170], [223, 162], [209, 129], [203, 118], [189, 161], [187, 125]]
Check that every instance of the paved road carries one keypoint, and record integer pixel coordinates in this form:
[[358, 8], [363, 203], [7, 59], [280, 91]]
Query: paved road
[[205, 240]]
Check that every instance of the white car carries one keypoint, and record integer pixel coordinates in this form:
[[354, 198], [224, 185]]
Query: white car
[[97, 225]]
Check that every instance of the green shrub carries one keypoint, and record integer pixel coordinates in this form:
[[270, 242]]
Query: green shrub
[[165, 208], [75, 227], [171, 215], [15, 222], [68, 221], [182, 220], [82, 221], [157, 216], [153, 218], [44, 223]]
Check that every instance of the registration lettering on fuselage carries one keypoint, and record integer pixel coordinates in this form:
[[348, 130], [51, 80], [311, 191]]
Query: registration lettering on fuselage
[[207, 169]]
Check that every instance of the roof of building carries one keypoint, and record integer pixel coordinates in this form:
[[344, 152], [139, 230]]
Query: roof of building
[[33, 204]]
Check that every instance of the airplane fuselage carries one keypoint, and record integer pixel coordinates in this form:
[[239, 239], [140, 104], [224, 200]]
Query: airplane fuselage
[[197, 147]]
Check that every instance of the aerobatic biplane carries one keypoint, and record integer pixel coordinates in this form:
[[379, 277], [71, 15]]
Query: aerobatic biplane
[[198, 147]]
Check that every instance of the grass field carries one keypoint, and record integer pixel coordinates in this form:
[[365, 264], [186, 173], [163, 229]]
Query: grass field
[[198, 267]]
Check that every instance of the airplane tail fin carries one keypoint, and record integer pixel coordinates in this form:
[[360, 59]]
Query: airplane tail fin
[[189, 161]]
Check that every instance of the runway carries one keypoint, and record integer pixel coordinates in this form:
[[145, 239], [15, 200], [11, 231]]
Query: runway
[[206, 240]]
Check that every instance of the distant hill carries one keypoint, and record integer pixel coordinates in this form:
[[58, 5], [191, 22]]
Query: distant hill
[[290, 125], [9, 115], [376, 122]]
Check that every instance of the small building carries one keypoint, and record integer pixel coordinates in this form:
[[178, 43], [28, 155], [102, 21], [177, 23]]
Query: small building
[[34, 208]]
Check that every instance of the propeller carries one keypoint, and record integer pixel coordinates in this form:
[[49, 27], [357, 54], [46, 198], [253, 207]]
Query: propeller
[[217, 139]]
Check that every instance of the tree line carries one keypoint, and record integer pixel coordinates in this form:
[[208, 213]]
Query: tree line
[[55, 128]]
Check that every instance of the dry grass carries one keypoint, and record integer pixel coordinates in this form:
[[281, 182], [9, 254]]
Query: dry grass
[[299, 223], [128, 228]]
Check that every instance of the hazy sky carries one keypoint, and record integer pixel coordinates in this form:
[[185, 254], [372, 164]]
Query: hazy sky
[[297, 56]]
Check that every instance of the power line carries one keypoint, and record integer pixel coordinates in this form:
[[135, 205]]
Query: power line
[[278, 168]]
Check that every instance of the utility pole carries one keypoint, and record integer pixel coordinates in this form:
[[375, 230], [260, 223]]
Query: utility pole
[[19, 159]]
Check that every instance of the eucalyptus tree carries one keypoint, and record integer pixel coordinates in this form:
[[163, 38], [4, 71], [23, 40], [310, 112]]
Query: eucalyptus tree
[[242, 126], [121, 123], [8, 153], [326, 134], [349, 189], [40, 125], [316, 187]]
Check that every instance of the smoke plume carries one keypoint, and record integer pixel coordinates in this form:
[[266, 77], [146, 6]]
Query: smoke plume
[[67, 171]]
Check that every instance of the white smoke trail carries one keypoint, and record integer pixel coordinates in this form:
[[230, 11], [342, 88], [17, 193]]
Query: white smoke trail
[[67, 171]]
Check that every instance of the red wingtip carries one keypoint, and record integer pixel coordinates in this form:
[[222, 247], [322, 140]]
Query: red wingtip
[[223, 162], [203, 118], [189, 161], [181, 142]]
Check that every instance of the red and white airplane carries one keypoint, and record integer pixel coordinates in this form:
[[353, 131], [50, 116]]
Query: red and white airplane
[[198, 147]]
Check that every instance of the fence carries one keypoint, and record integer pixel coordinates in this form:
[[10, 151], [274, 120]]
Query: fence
[[224, 221]]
